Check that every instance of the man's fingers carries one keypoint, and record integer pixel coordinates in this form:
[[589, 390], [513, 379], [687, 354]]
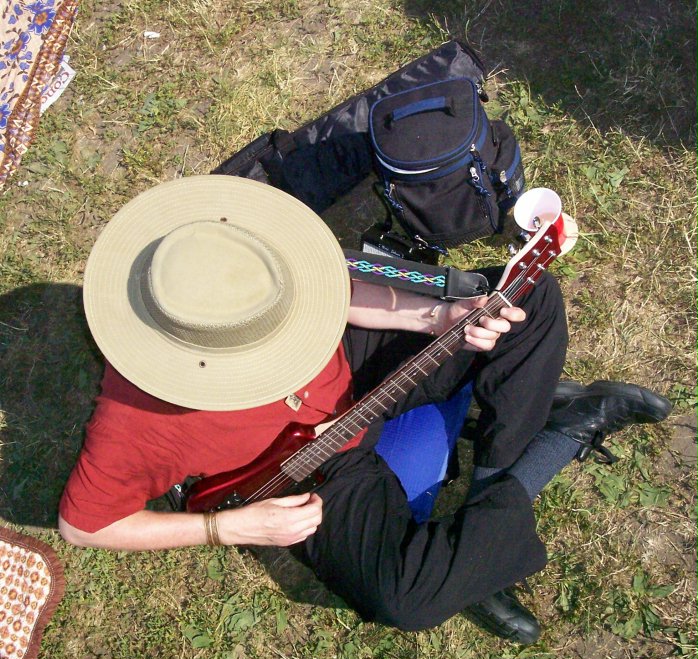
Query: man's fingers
[[485, 338], [476, 343], [303, 522], [490, 329], [513, 314], [294, 500], [492, 326], [484, 335], [308, 507]]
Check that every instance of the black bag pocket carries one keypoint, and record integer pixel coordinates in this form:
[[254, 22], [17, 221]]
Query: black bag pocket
[[506, 172], [446, 211]]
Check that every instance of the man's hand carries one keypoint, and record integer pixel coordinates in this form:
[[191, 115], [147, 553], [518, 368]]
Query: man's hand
[[382, 307], [481, 337], [281, 522]]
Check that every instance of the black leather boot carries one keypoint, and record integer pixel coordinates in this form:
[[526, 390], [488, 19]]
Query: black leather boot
[[588, 414], [503, 615]]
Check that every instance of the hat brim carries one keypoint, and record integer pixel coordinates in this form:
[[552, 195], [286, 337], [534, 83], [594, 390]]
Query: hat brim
[[215, 379]]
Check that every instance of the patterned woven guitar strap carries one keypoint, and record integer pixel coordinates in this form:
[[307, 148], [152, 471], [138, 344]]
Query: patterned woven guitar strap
[[442, 282]]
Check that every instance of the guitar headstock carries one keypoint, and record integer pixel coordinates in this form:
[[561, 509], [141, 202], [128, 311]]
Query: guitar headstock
[[529, 263]]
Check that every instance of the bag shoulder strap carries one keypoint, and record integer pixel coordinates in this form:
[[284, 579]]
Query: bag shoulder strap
[[445, 282]]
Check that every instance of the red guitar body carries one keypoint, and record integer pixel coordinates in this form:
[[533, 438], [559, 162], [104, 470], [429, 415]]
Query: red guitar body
[[231, 489]]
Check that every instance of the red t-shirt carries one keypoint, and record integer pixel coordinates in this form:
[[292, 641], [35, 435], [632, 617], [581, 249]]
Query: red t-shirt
[[137, 446]]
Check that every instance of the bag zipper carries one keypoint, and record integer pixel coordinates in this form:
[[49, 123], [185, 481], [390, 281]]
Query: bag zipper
[[481, 191], [480, 84], [502, 178]]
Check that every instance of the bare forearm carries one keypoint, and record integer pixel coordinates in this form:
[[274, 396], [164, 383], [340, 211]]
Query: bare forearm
[[143, 530], [280, 522], [383, 307]]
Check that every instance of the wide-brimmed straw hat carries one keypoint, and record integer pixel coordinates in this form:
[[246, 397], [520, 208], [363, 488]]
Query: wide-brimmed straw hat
[[217, 293]]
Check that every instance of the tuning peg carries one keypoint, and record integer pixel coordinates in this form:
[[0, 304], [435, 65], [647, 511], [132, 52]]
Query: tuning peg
[[523, 237], [512, 249]]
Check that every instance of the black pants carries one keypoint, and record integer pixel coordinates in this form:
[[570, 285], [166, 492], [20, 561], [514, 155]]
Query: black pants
[[368, 548]]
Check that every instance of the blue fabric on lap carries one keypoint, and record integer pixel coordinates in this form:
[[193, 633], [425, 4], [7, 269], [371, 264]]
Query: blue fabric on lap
[[417, 446]]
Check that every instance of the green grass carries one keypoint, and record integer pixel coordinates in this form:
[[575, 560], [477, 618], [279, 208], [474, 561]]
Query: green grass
[[602, 98]]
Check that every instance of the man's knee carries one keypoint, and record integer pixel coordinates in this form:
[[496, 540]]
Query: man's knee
[[546, 293], [409, 614], [545, 308]]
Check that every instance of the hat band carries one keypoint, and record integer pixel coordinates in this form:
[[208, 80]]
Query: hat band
[[241, 334]]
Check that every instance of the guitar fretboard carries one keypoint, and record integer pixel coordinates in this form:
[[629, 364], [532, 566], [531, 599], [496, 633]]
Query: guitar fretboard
[[533, 261], [389, 392]]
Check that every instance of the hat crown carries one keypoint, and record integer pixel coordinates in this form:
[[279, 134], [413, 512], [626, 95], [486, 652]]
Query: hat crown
[[215, 285]]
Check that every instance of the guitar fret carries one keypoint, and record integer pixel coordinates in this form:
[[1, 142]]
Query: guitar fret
[[421, 369], [328, 453], [358, 413], [295, 471]]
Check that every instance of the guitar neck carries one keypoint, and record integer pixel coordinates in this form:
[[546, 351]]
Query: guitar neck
[[390, 391], [519, 276]]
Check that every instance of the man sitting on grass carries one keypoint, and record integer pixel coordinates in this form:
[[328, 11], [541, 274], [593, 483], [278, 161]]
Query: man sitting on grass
[[221, 306]]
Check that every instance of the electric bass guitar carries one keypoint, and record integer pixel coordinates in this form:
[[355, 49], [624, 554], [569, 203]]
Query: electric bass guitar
[[296, 454]]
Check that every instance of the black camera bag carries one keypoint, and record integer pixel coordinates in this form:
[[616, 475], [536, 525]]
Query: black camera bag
[[449, 174]]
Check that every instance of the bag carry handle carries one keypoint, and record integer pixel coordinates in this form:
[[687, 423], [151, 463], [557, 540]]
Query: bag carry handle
[[425, 105]]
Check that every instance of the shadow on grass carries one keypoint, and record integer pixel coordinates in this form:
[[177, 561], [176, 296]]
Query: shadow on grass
[[50, 374], [629, 64]]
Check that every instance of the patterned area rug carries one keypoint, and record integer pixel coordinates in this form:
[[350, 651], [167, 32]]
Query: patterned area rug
[[33, 35], [31, 586]]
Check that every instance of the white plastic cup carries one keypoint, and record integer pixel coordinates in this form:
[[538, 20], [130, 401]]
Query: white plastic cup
[[542, 203]]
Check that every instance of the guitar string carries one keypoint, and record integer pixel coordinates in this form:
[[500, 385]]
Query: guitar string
[[446, 342], [303, 462], [282, 479], [404, 377], [300, 459], [512, 292], [383, 398]]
